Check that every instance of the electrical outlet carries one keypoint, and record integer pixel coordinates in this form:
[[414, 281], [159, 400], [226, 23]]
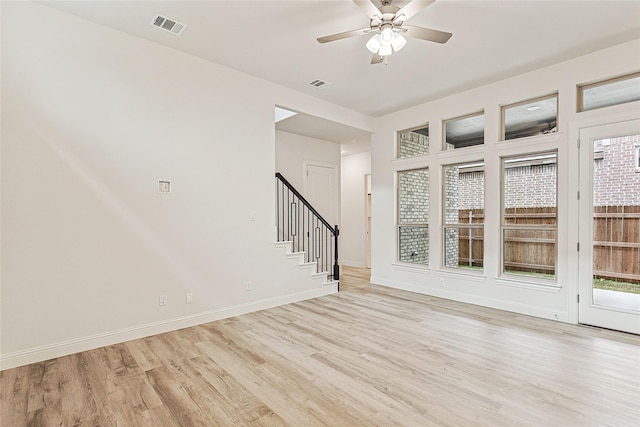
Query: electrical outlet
[[189, 298], [162, 300], [249, 285], [442, 283]]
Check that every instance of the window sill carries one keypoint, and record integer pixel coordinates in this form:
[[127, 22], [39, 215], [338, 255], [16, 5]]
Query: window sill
[[549, 138], [466, 154], [406, 163], [532, 284], [413, 268], [461, 273]]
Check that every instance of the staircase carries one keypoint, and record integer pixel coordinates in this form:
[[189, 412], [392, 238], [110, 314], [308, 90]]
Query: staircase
[[305, 236]]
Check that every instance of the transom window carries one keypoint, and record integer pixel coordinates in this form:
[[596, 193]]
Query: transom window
[[609, 92], [413, 142], [465, 131], [537, 116]]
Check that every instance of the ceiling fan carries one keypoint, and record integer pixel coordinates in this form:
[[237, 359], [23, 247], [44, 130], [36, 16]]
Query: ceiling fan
[[387, 26]]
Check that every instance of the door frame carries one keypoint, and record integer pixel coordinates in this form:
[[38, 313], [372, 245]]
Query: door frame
[[592, 118], [367, 214]]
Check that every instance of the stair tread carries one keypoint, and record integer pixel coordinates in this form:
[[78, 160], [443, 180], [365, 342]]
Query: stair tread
[[306, 264]]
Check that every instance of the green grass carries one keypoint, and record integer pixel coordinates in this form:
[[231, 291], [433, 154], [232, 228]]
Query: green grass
[[611, 285]]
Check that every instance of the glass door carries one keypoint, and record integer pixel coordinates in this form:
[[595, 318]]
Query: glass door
[[609, 226]]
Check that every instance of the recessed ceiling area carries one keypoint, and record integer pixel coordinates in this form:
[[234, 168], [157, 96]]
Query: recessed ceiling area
[[283, 113], [350, 139]]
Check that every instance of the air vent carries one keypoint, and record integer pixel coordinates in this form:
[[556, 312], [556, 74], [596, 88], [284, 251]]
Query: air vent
[[318, 83], [168, 24]]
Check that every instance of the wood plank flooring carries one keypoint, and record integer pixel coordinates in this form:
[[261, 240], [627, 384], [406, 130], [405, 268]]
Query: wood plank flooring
[[366, 356]]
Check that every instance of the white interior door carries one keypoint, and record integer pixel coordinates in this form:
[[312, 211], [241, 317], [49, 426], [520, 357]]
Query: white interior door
[[320, 190], [609, 226]]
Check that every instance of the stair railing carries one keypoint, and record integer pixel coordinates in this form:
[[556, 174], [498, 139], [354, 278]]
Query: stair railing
[[297, 221]]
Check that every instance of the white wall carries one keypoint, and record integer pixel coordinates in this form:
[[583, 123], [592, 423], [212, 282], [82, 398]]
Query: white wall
[[353, 230], [292, 151], [92, 118], [488, 288]]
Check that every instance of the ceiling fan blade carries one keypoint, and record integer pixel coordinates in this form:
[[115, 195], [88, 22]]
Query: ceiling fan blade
[[369, 8], [411, 9], [427, 34], [344, 35], [376, 59]]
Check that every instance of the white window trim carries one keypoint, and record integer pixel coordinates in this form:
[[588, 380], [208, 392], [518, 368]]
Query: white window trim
[[507, 277]]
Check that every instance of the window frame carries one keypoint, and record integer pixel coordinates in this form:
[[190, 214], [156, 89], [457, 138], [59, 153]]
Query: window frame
[[400, 225], [503, 110], [457, 118], [581, 88], [503, 274], [637, 157], [458, 225], [412, 129]]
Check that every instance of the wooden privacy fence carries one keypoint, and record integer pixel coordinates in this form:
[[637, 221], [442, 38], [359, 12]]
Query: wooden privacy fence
[[470, 240], [616, 243], [616, 246]]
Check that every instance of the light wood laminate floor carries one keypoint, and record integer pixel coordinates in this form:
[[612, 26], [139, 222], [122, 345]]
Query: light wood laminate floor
[[366, 356]]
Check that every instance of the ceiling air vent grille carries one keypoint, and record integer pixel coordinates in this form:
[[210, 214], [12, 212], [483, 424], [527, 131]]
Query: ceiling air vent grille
[[318, 83], [168, 24]]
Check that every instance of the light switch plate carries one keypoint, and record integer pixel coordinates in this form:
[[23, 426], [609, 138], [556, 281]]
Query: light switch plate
[[164, 187]]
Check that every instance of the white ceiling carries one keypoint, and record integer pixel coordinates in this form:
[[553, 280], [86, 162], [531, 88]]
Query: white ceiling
[[276, 41]]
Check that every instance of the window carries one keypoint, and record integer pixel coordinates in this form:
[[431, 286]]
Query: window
[[529, 118], [609, 92], [637, 158], [529, 217], [413, 216], [465, 131], [413, 142], [463, 229]]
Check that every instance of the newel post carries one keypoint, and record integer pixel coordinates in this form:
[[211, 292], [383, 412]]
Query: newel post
[[336, 267]]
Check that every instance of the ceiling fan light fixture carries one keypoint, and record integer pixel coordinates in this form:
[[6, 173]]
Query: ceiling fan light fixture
[[386, 35], [398, 42], [374, 43], [385, 51]]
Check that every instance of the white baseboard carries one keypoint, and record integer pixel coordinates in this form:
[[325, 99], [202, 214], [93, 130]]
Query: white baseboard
[[64, 348], [513, 307]]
